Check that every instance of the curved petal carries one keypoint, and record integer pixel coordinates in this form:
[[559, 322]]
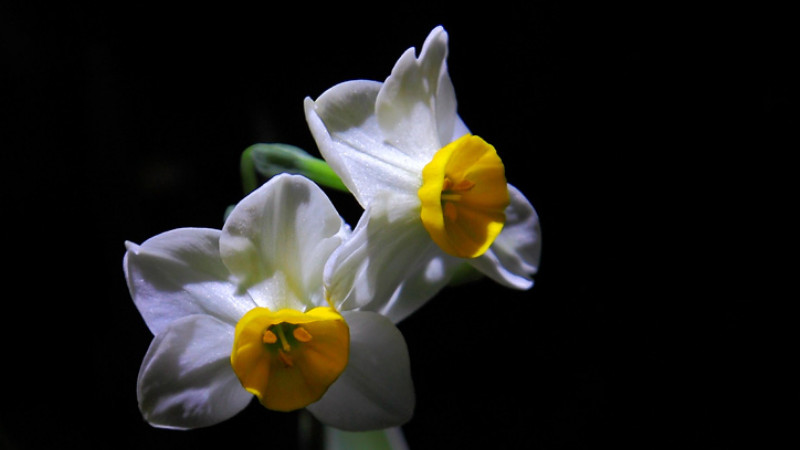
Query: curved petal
[[416, 106], [186, 380], [277, 239], [514, 255], [375, 390], [179, 273], [343, 123], [389, 265]]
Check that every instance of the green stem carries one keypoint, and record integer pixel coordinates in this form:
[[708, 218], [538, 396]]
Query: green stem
[[272, 159], [248, 171], [319, 171]]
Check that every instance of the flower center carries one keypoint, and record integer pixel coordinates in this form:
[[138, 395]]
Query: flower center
[[288, 358], [464, 195]]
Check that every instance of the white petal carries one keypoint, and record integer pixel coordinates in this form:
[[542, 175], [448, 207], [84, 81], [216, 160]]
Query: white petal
[[389, 265], [375, 390], [343, 123], [416, 106], [179, 273], [459, 129], [186, 380], [277, 239], [514, 255]]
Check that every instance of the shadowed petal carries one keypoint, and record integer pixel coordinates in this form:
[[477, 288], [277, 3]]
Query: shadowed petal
[[277, 239], [186, 380], [389, 265], [343, 123], [375, 390], [179, 273], [514, 256]]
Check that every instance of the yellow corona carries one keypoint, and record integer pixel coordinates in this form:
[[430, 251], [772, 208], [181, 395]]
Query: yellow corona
[[464, 195], [289, 358]]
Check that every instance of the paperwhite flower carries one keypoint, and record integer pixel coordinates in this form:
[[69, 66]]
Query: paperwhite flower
[[434, 195], [242, 311]]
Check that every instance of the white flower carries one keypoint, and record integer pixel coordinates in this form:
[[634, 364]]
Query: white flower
[[243, 311], [434, 195]]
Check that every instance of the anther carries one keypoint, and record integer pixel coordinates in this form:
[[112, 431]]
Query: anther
[[463, 185], [448, 183], [452, 192], [301, 334], [269, 337], [285, 359]]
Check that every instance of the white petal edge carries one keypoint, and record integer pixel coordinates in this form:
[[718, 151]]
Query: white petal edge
[[389, 265], [179, 273], [343, 123], [276, 240], [375, 391], [514, 256], [416, 106], [186, 380]]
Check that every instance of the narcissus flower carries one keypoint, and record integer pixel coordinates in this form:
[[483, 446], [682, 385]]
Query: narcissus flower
[[435, 196], [242, 311]]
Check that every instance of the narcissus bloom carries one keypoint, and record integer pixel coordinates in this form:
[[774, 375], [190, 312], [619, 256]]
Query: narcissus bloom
[[242, 311], [435, 196]]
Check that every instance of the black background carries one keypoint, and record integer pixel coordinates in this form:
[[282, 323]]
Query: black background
[[636, 132]]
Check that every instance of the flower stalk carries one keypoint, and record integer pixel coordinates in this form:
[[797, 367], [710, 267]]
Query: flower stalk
[[272, 159]]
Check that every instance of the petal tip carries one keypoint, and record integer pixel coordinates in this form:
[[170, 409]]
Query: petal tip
[[132, 247]]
